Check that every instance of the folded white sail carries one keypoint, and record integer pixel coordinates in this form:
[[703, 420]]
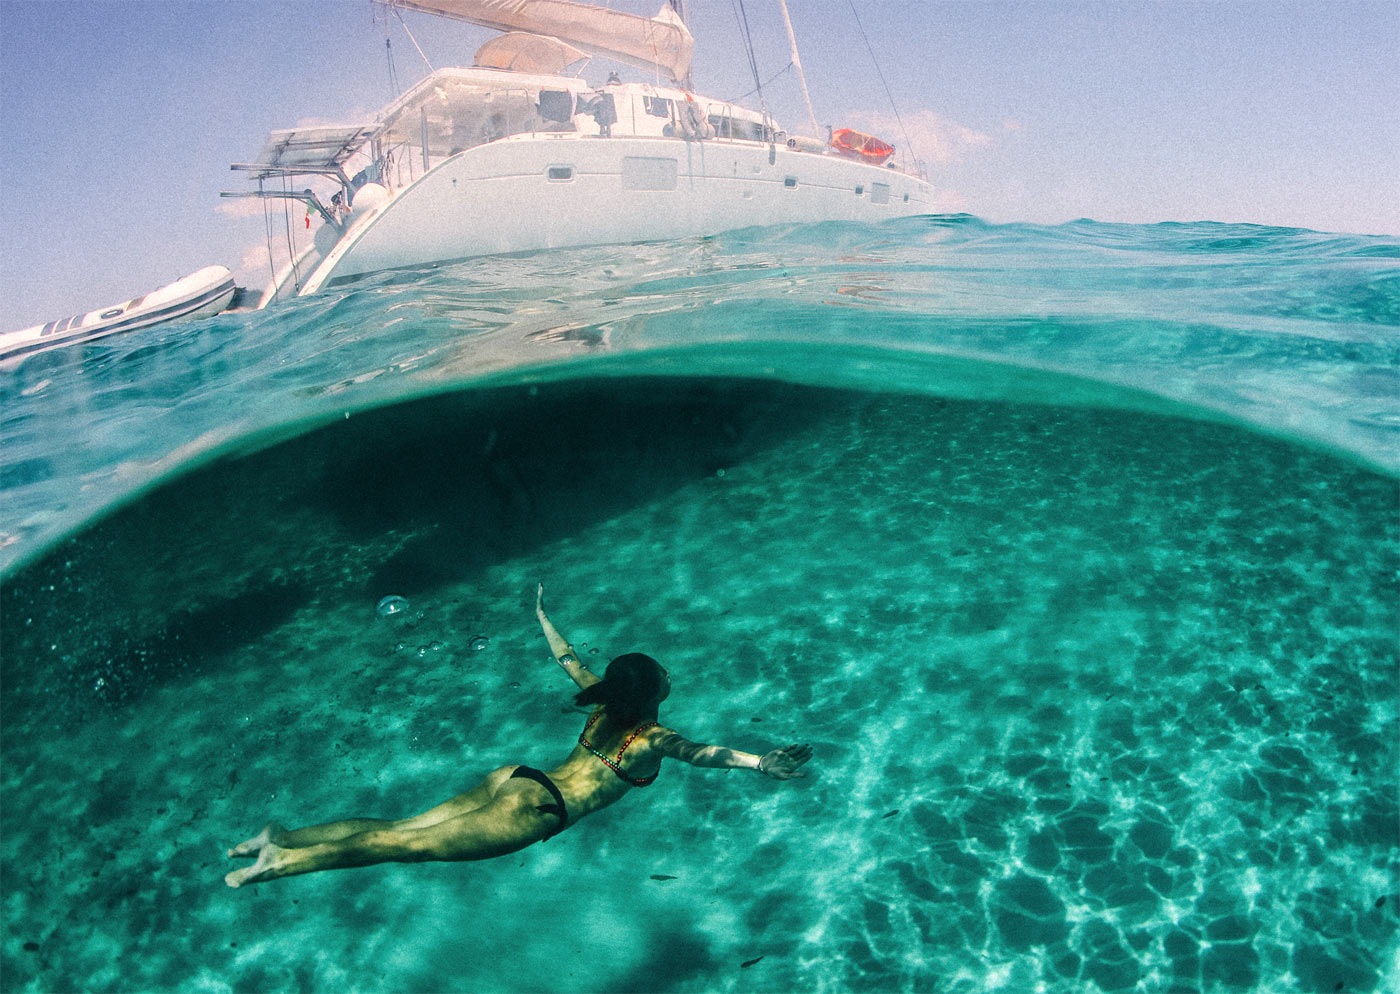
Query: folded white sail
[[646, 42]]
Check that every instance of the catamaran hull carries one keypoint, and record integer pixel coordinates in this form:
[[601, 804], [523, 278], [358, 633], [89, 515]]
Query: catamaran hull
[[553, 191], [206, 292]]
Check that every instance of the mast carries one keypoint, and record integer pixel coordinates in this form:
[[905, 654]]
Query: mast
[[688, 82], [797, 64]]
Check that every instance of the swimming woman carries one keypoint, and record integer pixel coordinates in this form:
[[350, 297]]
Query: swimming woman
[[621, 747]]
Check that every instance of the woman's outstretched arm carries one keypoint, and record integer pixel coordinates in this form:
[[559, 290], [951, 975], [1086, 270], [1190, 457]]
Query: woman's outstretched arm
[[564, 653], [781, 764]]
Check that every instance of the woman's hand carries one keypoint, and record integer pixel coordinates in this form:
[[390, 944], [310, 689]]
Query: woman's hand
[[782, 764], [539, 600]]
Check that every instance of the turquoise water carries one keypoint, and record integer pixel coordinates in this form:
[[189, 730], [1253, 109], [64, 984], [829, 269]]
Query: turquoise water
[[1073, 552]]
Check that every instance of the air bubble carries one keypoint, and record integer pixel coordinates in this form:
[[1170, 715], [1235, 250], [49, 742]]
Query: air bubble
[[434, 645], [392, 604], [478, 642]]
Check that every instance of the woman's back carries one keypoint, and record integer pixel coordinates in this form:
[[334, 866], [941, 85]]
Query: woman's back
[[589, 778]]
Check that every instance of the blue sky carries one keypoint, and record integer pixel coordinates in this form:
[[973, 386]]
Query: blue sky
[[122, 116]]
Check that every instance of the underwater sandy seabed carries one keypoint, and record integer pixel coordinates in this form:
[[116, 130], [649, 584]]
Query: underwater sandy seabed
[[1098, 700]]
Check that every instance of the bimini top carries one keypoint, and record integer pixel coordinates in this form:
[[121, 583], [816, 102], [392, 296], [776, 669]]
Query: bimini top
[[520, 51]]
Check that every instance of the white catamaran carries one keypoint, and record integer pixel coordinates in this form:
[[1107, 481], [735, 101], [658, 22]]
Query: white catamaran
[[514, 154]]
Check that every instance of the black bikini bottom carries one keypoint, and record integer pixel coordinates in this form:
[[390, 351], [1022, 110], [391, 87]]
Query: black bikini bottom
[[530, 773]]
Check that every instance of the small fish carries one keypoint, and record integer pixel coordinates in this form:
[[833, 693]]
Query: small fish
[[748, 963], [663, 876], [890, 815]]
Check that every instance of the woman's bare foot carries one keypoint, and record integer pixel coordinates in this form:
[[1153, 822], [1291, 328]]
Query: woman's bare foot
[[254, 845], [261, 870]]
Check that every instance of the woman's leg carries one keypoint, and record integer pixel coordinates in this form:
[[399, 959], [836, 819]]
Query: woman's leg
[[507, 824], [333, 831], [329, 832]]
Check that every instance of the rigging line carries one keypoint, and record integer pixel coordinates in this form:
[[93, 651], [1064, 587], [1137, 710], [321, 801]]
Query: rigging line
[[376, 9], [743, 17], [287, 218], [404, 23], [907, 143], [393, 70], [267, 233], [766, 82], [394, 88]]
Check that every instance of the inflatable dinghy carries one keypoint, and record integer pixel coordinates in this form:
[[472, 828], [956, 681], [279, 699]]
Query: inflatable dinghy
[[200, 294]]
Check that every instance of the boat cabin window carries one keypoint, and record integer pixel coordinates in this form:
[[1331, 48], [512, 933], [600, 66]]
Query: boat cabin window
[[657, 106], [729, 127], [860, 190], [557, 106], [879, 193], [560, 174], [452, 114], [790, 182]]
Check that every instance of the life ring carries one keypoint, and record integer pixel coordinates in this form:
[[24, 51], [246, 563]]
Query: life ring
[[859, 145]]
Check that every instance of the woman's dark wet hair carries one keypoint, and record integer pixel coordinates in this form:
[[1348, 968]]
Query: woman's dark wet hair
[[628, 688]]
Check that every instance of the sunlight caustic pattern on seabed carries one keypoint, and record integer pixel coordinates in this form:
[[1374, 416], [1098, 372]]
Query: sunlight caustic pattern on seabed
[[1091, 707]]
